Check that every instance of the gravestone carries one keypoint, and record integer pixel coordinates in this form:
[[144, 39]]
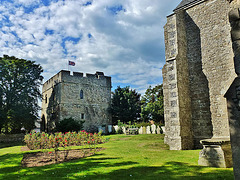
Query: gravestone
[[110, 128], [144, 130], [140, 130], [153, 128], [148, 131], [158, 130], [124, 130]]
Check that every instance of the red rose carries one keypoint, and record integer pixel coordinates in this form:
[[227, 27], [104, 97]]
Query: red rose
[[88, 142], [49, 152]]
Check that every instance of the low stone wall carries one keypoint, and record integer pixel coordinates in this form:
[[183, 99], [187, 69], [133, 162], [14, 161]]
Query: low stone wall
[[11, 138]]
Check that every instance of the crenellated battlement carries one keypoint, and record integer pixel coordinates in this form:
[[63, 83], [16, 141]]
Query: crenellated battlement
[[77, 77]]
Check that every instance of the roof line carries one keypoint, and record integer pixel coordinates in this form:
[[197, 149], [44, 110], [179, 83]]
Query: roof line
[[188, 5]]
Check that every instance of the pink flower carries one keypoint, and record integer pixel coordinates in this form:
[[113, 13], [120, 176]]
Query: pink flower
[[92, 139]]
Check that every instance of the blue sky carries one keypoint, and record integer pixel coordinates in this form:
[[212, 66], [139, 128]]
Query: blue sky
[[124, 39]]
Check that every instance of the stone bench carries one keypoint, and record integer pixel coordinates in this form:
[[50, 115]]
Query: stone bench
[[216, 153], [132, 131]]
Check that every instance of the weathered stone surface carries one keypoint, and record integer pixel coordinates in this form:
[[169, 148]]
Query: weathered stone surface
[[216, 153], [232, 95], [199, 56], [82, 98]]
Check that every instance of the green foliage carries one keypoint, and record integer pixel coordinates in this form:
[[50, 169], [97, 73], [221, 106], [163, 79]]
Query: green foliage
[[152, 104], [125, 105], [19, 93], [45, 141], [69, 124]]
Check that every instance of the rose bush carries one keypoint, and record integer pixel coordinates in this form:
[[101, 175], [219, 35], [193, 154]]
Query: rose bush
[[66, 140]]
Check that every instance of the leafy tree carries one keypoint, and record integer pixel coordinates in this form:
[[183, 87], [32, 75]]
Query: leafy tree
[[19, 93], [125, 105], [152, 104]]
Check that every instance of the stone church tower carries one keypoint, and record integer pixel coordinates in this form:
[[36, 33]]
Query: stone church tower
[[82, 98], [199, 70]]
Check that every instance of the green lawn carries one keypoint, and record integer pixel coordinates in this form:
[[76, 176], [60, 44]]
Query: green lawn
[[125, 157]]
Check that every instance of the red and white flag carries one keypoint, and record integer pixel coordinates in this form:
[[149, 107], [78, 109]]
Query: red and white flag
[[71, 63]]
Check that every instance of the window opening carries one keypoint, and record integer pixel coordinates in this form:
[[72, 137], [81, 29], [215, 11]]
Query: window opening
[[82, 116], [81, 94], [46, 99]]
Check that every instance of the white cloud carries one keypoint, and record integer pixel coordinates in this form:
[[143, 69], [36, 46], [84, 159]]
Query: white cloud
[[127, 45]]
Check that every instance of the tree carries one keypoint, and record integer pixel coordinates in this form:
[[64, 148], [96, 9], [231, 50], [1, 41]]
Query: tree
[[19, 93], [125, 105], [152, 104]]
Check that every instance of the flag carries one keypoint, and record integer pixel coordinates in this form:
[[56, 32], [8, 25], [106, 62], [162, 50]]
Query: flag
[[71, 63]]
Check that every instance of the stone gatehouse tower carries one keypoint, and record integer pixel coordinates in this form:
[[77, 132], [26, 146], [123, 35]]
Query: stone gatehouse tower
[[82, 98], [198, 72]]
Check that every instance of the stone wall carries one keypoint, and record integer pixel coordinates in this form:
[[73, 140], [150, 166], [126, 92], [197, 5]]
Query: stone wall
[[82, 98], [198, 43], [8, 138]]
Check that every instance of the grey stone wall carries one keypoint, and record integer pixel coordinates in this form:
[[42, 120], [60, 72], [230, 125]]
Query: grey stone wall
[[198, 41], [64, 100]]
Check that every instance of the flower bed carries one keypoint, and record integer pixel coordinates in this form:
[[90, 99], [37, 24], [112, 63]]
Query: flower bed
[[58, 140]]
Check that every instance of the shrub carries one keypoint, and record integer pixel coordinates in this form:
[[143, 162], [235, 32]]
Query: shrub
[[69, 124], [46, 141]]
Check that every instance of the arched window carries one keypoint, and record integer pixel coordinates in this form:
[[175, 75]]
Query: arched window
[[81, 94]]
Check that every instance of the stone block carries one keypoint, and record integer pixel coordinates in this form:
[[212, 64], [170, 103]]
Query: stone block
[[216, 153]]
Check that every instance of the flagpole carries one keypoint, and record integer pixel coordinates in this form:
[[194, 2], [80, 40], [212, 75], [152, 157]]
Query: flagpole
[[68, 64]]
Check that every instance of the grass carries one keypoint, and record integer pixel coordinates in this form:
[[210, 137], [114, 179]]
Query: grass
[[125, 157]]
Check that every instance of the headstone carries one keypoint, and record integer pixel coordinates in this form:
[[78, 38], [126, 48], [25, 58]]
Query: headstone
[[158, 130], [124, 130], [110, 128], [144, 130], [148, 131], [140, 131], [115, 128], [153, 128], [163, 129]]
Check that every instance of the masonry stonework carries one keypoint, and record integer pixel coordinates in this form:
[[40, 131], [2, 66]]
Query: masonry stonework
[[78, 97], [199, 70]]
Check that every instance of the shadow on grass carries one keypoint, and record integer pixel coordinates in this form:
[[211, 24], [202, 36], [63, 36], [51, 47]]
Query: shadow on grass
[[107, 168], [5, 145]]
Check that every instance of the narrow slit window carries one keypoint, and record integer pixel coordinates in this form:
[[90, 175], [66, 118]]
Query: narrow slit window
[[46, 99], [81, 94], [82, 116]]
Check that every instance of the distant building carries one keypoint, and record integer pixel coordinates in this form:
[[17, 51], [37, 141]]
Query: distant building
[[78, 97]]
